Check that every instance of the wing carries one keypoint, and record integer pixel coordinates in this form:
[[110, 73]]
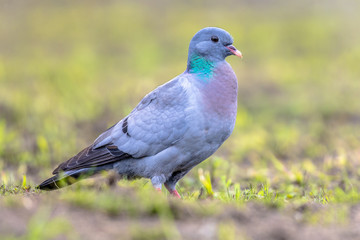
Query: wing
[[158, 121], [90, 158]]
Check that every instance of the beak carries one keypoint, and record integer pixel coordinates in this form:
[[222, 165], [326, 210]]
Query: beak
[[234, 51]]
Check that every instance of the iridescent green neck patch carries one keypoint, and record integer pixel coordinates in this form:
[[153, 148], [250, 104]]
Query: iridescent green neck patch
[[202, 67]]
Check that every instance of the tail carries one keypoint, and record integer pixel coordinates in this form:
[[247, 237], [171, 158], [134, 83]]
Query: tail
[[67, 178]]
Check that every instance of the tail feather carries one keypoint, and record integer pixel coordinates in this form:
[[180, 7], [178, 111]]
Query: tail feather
[[67, 178]]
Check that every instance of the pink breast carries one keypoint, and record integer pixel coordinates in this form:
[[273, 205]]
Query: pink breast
[[220, 94]]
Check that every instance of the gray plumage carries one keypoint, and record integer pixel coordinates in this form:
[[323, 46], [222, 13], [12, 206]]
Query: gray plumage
[[173, 128]]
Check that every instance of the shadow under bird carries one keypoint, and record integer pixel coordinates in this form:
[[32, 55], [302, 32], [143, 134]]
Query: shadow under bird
[[175, 127]]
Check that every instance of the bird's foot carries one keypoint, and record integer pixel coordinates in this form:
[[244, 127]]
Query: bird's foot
[[175, 193], [172, 190]]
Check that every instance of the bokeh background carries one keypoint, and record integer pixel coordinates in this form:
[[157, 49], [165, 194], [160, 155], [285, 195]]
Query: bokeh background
[[70, 69]]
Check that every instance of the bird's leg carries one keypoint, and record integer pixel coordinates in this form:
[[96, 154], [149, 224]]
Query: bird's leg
[[172, 190], [170, 184], [157, 182]]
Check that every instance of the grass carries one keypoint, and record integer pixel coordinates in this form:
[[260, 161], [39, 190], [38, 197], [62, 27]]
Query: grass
[[70, 70]]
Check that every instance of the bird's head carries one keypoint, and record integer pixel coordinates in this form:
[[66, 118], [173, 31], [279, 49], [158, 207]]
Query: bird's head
[[213, 44]]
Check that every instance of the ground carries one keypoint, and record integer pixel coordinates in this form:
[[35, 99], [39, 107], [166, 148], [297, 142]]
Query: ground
[[48, 216], [290, 170]]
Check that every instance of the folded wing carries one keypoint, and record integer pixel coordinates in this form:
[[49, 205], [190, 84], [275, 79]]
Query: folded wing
[[158, 122]]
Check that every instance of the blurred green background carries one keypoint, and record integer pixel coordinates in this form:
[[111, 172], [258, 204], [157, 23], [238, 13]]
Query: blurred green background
[[70, 69]]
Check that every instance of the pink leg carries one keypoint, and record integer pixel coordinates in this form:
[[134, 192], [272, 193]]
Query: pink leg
[[173, 191]]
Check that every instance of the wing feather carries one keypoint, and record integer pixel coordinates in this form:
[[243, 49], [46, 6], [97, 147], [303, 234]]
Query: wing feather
[[90, 157], [155, 124]]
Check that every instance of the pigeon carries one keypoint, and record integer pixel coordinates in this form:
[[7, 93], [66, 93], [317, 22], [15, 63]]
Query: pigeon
[[173, 128]]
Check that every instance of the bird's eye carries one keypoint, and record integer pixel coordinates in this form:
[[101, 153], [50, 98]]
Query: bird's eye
[[214, 39]]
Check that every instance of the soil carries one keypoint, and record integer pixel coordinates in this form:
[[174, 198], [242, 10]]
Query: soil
[[251, 221]]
